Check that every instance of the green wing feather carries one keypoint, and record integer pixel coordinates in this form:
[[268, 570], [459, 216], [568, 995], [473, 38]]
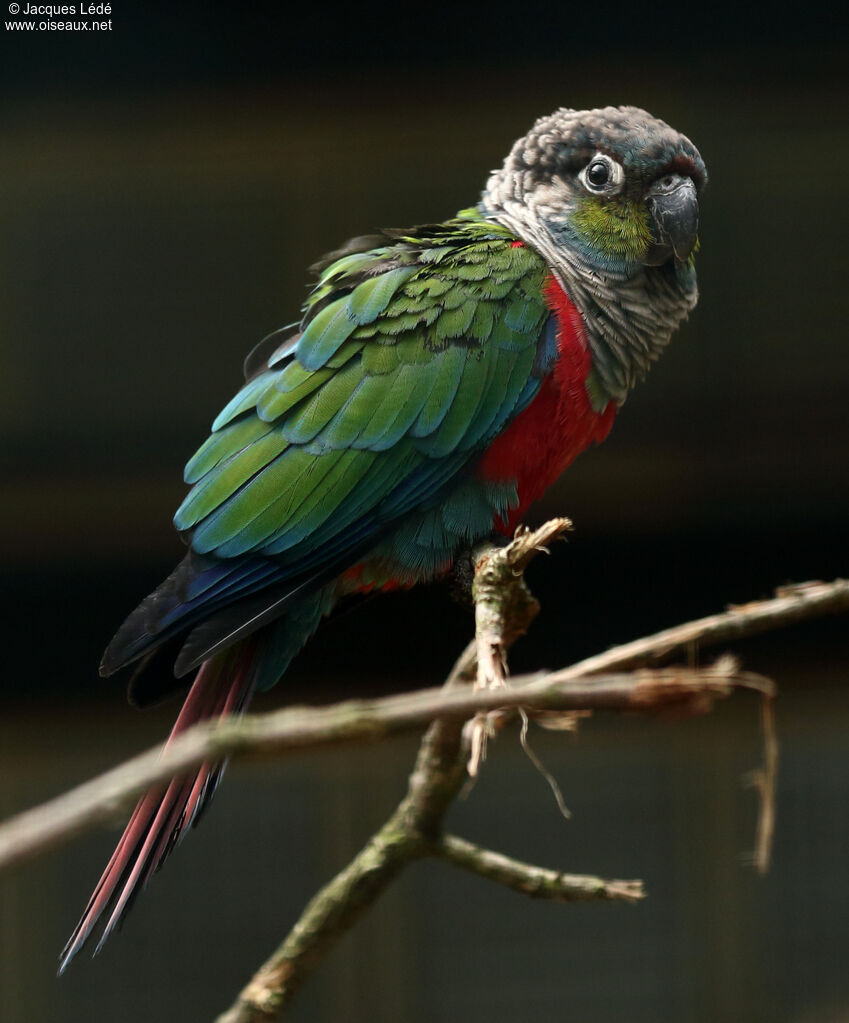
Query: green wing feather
[[412, 356]]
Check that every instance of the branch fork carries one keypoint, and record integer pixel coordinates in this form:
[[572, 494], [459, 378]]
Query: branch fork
[[451, 751]]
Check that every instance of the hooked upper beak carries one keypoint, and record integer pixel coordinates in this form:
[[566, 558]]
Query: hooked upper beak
[[673, 219]]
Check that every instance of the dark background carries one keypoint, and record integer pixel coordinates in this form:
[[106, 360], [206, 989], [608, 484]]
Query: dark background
[[163, 188]]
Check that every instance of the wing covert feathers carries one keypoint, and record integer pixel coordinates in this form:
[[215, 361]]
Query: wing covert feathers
[[409, 352]]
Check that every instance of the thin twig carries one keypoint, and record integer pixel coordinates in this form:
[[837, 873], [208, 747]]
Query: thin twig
[[790, 604], [764, 781], [538, 882]]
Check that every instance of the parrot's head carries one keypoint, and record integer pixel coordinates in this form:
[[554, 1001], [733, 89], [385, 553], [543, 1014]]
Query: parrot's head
[[610, 199], [616, 188]]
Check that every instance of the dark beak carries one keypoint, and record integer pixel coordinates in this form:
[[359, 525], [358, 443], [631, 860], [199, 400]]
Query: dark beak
[[673, 218]]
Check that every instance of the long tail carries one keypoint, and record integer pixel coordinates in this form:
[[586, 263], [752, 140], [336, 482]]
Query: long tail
[[223, 686]]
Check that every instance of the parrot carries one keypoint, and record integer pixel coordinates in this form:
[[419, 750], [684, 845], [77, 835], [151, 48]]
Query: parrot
[[440, 379]]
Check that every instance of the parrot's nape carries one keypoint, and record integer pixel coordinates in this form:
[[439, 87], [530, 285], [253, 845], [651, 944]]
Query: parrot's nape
[[440, 380]]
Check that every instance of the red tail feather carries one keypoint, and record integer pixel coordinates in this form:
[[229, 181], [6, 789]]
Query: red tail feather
[[223, 686]]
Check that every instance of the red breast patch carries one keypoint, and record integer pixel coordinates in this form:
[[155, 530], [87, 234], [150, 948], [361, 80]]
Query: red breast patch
[[558, 424]]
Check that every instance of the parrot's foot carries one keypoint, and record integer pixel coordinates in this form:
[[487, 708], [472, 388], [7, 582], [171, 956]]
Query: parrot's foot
[[462, 574]]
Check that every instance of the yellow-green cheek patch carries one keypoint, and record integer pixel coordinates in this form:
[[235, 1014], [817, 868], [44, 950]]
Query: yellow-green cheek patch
[[618, 227]]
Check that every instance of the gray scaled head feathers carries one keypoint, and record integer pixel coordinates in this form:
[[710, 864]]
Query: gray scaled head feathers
[[610, 198]]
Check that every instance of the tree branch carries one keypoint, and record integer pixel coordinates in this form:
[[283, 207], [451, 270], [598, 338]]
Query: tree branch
[[102, 799], [505, 608], [407, 835], [538, 882], [790, 604], [414, 829], [297, 728]]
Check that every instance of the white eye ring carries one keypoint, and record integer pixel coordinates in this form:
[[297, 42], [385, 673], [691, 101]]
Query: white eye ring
[[602, 175]]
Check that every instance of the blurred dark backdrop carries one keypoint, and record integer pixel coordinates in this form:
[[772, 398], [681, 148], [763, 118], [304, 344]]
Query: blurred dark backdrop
[[163, 188]]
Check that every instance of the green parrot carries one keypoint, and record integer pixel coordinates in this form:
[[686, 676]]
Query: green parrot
[[440, 379]]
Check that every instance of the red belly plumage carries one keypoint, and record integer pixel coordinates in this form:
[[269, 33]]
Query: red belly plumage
[[559, 423]]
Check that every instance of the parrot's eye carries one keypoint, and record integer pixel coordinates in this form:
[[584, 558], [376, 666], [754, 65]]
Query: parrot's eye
[[598, 174], [602, 175]]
